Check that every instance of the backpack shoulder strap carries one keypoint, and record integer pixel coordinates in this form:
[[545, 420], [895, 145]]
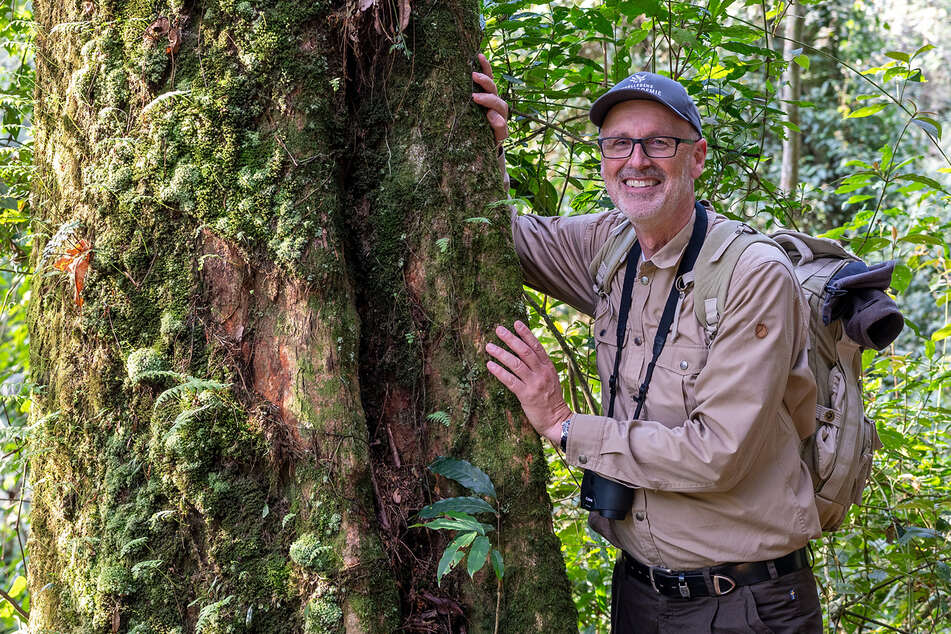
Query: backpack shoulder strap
[[722, 249], [606, 262]]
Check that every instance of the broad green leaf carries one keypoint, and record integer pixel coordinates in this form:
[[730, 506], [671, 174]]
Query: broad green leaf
[[924, 180], [452, 555], [901, 57], [497, 563], [923, 49], [866, 111], [466, 504], [918, 532], [802, 61], [942, 333], [929, 125], [858, 198], [461, 522], [890, 438], [19, 585], [477, 555], [465, 473], [901, 277], [922, 238]]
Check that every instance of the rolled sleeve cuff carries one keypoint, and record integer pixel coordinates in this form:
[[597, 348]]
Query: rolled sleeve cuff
[[585, 439]]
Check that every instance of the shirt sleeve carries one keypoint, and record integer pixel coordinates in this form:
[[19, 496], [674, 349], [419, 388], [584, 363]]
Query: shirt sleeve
[[555, 251], [739, 394]]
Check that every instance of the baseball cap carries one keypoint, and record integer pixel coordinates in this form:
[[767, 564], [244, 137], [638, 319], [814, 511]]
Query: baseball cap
[[645, 85]]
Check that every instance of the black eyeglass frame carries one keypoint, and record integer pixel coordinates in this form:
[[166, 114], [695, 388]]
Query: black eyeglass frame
[[641, 142]]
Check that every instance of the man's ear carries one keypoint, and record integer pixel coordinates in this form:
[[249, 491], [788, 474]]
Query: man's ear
[[699, 157]]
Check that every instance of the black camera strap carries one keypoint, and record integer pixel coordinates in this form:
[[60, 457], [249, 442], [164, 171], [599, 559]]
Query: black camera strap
[[663, 328]]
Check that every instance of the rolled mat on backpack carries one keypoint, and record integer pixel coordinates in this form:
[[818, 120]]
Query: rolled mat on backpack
[[856, 295]]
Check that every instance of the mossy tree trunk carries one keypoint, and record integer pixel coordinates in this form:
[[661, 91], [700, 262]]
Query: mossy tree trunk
[[273, 212]]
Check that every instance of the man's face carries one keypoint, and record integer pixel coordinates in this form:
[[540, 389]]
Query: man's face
[[654, 192]]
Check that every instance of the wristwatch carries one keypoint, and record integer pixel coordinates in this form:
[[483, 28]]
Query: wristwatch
[[565, 426]]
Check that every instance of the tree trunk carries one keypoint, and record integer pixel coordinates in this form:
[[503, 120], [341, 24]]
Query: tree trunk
[[792, 91], [268, 218]]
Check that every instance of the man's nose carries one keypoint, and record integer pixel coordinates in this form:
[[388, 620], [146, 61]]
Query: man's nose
[[638, 158]]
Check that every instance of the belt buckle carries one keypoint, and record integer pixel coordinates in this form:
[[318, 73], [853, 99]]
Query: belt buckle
[[653, 582], [716, 585], [682, 586]]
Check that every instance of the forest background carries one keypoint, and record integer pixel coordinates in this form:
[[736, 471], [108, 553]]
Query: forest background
[[872, 171]]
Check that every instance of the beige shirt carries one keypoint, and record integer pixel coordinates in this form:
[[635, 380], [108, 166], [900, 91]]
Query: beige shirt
[[715, 455]]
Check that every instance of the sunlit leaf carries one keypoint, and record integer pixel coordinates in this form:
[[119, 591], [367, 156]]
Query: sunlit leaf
[[866, 111]]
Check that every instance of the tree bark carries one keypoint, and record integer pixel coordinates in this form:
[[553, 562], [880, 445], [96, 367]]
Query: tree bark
[[792, 92], [292, 261]]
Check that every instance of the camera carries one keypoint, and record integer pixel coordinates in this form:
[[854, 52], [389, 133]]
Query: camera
[[609, 498]]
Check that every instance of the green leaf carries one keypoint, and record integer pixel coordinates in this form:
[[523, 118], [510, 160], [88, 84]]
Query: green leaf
[[901, 57], [19, 585], [929, 125], [942, 333], [497, 563], [477, 555], [922, 238], [866, 111], [466, 504], [440, 417], [802, 61], [452, 555], [924, 180], [901, 277], [858, 198], [465, 473]]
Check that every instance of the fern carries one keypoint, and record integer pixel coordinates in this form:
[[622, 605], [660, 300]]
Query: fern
[[209, 613], [189, 384], [440, 417]]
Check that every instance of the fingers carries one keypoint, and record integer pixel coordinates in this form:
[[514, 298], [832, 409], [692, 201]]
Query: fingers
[[517, 345], [486, 83], [484, 63], [507, 379], [509, 360]]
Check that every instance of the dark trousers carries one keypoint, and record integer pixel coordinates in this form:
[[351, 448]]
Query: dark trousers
[[784, 605]]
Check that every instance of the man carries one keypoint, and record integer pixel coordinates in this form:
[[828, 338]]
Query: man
[[723, 507]]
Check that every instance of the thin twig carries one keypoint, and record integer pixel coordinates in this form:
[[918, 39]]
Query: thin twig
[[15, 605], [867, 619], [564, 346]]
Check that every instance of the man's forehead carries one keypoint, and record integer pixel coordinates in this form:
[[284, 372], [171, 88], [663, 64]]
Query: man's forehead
[[643, 113]]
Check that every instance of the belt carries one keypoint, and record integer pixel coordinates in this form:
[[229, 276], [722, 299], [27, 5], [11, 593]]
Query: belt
[[723, 578]]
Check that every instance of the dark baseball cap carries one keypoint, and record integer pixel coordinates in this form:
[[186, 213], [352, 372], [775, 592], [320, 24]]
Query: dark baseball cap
[[645, 85]]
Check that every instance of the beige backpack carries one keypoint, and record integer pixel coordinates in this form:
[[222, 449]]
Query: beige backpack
[[839, 453]]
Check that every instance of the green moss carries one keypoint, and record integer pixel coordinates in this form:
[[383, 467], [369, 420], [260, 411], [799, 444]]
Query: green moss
[[142, 361], [115, 580], [310, 552], [323, 614]]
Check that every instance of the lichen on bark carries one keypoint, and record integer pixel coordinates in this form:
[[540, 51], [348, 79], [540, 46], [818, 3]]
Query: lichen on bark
[[232, 431]]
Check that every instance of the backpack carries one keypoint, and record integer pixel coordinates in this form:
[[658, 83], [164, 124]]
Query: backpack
[[839, 452]]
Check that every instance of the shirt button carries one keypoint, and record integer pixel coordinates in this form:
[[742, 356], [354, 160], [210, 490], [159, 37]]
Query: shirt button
[[638, 341], [684, 365], [645, 280], [639, 516], [583, 459], [603, 331]]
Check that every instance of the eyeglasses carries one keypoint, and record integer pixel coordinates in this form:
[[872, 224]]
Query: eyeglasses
[[617, 147]]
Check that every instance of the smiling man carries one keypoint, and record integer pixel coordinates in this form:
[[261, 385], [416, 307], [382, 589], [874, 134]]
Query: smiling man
[[694, 472]]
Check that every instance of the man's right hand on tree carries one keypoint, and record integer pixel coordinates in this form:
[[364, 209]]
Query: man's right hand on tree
[[497, 110]]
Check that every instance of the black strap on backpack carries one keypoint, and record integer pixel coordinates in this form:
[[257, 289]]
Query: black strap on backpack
[[667, 319]]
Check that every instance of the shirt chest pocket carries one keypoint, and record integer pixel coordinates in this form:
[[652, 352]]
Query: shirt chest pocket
[[671, 398]]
